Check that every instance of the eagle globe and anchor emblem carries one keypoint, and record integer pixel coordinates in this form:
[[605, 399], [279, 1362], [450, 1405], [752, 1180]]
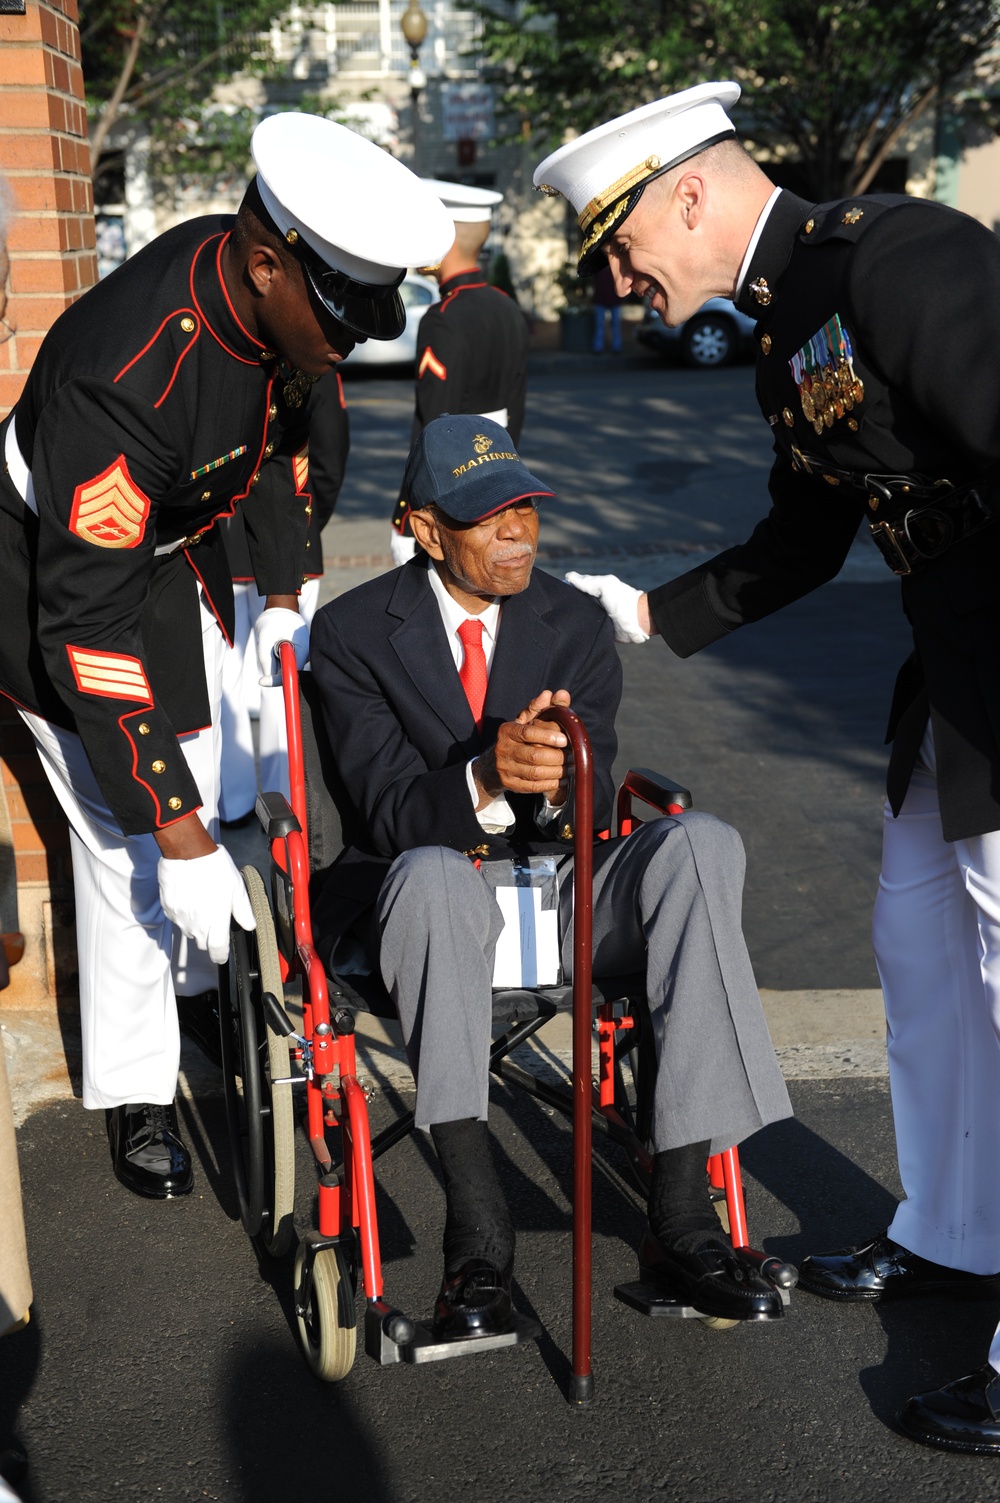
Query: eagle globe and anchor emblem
[[481, 443]]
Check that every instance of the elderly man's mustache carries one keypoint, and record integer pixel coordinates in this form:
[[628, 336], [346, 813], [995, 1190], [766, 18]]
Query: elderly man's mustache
[[513, 550]]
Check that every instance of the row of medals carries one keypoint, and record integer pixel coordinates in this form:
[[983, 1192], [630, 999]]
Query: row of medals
[[829, 393]]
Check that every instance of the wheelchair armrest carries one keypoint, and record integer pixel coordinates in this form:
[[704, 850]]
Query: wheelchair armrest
[[655, 790], [275, 815]]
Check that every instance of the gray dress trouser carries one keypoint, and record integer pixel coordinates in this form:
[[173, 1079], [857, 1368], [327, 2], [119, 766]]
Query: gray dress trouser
[[667, 899]]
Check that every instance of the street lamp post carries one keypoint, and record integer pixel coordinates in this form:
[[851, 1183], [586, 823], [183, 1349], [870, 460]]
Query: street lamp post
[[413, 23]]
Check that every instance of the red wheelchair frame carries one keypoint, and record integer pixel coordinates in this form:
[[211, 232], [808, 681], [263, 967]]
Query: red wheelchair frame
[[345, 1245]]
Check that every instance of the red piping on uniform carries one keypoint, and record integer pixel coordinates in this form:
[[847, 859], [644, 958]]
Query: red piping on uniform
[[469, 287], [229, 302], [180, 361], [340, 388], [211, 602], [150, 344], [207, 322], [161, 824]]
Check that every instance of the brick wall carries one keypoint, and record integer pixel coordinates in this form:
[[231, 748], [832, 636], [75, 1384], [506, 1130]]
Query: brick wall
[[45, 157]]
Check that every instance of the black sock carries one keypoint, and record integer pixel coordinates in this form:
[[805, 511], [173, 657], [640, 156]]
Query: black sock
[[478, 1224], [681, 1213]]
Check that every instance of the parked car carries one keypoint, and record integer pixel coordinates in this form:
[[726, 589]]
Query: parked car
[[715, 335], [418, 293]]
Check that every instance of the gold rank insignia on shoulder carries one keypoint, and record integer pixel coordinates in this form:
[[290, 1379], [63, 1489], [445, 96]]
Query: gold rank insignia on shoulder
[[761, 291], [852, 216], [477, 850]]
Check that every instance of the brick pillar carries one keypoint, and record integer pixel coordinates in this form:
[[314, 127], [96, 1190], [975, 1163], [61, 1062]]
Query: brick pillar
[[45, 157]]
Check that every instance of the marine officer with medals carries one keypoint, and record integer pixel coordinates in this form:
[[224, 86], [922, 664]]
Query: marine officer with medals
[[878, 374], [167, 396], [472, 346]]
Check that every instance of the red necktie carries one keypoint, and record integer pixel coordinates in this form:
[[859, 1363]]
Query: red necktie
[[473, 669]]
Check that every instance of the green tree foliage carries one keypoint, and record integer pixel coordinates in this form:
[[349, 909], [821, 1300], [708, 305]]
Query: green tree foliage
[[158, 61], [839, 80]]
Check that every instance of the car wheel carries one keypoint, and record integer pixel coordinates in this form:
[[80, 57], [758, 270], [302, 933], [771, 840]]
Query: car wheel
[[708, 340]]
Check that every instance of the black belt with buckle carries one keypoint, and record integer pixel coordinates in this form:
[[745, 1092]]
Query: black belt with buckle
[[926, 532], [939, 514]]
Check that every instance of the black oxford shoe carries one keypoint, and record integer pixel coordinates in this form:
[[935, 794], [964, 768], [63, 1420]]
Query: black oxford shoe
[[199, 1021], [714, 1280], [885, 1270], [147, 1153], [474, 1301], [961, 1416]]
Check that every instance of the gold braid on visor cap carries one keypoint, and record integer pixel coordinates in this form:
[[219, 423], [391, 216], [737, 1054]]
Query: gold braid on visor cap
[[616, 190]]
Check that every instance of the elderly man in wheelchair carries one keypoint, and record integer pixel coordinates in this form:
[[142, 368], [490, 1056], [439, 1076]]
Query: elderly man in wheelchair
[[451, 790]]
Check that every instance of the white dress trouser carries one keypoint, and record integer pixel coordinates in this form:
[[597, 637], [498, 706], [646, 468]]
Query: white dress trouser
[[242, 698], [132, 961], [937, 943]]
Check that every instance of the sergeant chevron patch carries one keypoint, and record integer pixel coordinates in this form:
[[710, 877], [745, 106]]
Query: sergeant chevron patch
[[110, 510], [111, 675], [431, 363], [300, 468]]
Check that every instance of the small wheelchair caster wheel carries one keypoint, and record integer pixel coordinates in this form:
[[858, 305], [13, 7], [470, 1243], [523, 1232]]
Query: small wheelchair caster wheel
[[717, 1322], [326, 1316]]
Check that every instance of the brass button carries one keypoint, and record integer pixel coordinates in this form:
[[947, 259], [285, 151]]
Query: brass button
[[786, 413], [765, 344], [266, 355], [873, 503], [144, 729], [272, 412], [159, 766], [206, 495], [308, 545], [187, 324], [810, 226], [173, 803], [291, 236], [269, 450], [309, 511], [566, 833], [852, 423]]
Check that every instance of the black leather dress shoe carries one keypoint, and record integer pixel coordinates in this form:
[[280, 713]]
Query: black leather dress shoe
[[885, 1270], [199, 1021], [714, 1280], [475, 1301], [147, 1153], [961, 1416]]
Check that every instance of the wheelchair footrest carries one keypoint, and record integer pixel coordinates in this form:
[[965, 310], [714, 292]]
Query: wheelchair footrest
[[648, 1299], [390, 1338]]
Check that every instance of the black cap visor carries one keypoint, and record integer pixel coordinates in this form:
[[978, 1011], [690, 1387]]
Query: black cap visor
[[373, 310]]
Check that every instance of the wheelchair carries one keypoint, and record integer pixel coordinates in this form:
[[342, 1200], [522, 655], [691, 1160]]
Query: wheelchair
[[265, 1060]]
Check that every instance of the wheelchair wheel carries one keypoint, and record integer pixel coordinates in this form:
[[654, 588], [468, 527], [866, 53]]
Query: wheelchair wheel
[[260, 1120], [327, 1321]]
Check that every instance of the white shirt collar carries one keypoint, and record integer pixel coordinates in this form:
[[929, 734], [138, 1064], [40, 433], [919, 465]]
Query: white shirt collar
[[453, 615], [755, 237]]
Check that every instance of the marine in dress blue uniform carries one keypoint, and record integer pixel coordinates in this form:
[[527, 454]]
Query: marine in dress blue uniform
[[878, 374], [169, 395]]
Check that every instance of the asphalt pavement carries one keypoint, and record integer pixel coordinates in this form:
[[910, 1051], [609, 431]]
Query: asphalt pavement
[[161, 1361]]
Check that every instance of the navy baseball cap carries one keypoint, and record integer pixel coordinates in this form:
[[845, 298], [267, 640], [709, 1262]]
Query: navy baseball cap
[[467, 466]]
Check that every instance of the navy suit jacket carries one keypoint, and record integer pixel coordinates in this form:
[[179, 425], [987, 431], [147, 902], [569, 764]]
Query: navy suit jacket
[[401, 730]]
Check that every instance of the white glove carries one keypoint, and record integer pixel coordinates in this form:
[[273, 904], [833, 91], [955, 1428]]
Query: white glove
[[620, 600], [272, 627], [202, 896], [401, 547]]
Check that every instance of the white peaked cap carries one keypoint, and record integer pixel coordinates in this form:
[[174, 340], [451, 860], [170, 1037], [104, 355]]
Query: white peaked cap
[[358, 208], [466, 205], [607, 168]]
